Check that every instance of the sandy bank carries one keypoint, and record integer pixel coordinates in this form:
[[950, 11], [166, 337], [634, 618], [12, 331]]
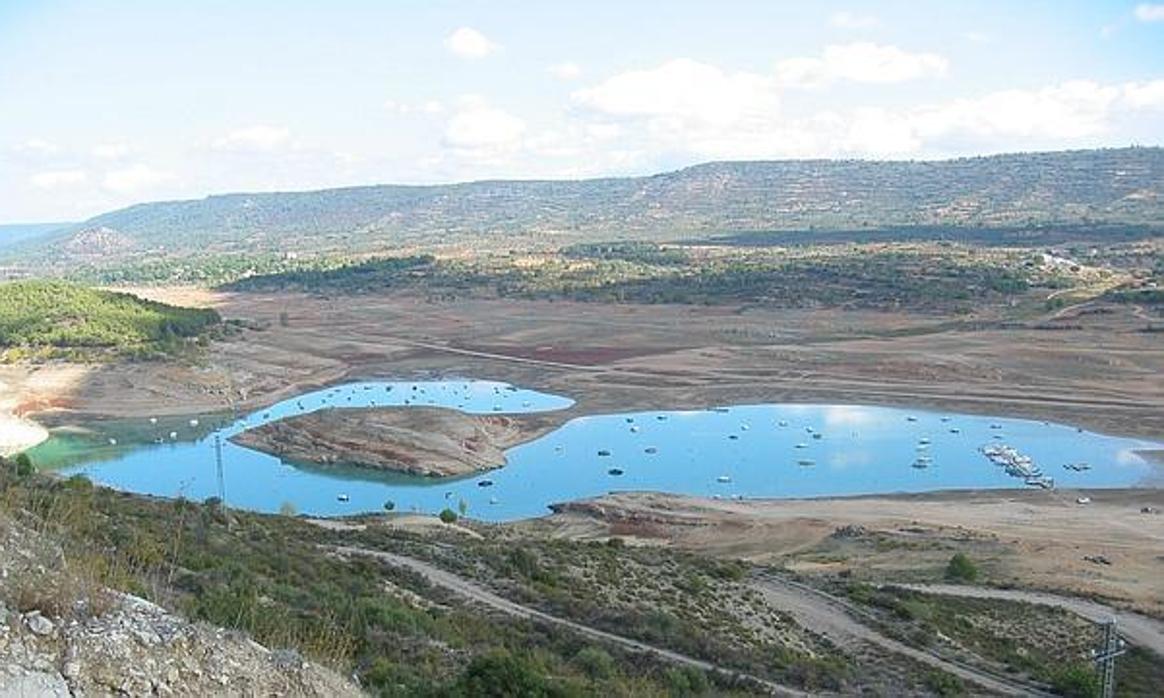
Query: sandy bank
[[17, 434], [417, 440]]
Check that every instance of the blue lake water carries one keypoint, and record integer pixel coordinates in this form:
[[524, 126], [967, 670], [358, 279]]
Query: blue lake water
[[741, 451]]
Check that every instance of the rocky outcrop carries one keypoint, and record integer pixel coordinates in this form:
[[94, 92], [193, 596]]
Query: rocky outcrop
[[415, 440], [137, 648], [57, 642]]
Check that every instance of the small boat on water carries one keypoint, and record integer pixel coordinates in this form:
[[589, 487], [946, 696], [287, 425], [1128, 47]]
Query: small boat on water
[[911, 419], [661, 417], [112, 442], [806, 462], [733, 437], [342, 497], [485, 483], [955, 430], [817, 435], [921, 463], [630, 420], [995, 426], [615, 471], [782, 423], [802, 445], [604, 452], [1077, 467], [650, 449], [724, 478], [193, 422], [634, 429], [923, 442]]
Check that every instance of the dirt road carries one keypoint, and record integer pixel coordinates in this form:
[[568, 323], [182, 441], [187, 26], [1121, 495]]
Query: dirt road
[[1138, 629], [823, 613], [834, 618], [478, 594]]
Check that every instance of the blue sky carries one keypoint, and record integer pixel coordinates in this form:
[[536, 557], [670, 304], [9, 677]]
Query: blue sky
[[105, 104]]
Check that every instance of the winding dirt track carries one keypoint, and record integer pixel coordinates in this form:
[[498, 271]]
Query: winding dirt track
[[1138, 629], [816, 610], [836, 619], [474, 592]]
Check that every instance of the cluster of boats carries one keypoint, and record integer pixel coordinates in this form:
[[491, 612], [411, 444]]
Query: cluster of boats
[[1017, 465]]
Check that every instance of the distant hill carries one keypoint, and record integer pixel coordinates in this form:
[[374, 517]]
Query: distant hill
[[1112, 187], [14, 233]]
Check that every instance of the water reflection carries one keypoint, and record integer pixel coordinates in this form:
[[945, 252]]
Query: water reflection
[[742, 451]]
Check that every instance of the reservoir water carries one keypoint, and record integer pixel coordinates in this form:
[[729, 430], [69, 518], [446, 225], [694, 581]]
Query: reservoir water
[[746, 451]]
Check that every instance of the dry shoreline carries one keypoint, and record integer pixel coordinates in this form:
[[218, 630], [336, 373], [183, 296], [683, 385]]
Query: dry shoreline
[[1107, 377]]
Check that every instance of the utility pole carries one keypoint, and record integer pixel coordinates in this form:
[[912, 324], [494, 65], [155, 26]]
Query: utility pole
[[1104, 658], [218, 467]]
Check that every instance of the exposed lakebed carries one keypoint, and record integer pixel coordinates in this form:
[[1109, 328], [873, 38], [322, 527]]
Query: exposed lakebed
[[741, 451]]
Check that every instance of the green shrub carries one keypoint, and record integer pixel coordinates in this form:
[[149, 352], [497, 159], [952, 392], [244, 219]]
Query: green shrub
[[23, 465], [961, 569], [944, 684], [501, 675], [595, 662], [1076, 681], [448, 516]]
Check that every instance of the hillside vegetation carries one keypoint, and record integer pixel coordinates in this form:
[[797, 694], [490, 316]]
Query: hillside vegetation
[[928, 277], [50, 319], [1081, 188]]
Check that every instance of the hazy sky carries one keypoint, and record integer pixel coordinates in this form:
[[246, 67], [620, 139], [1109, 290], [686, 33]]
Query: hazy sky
[[104, 104]]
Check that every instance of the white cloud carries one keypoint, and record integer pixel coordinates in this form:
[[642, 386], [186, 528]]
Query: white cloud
[[432, 106], [565, 71], [1065, 111], [1149, 12], [467, 42], [684, 108], [134, 178], [1144, 95], [859, 62], [258, 138], [481, 129], [37, 146], [603, 131], [844, 19], [685, 90], [110, 151], [54, 179]]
